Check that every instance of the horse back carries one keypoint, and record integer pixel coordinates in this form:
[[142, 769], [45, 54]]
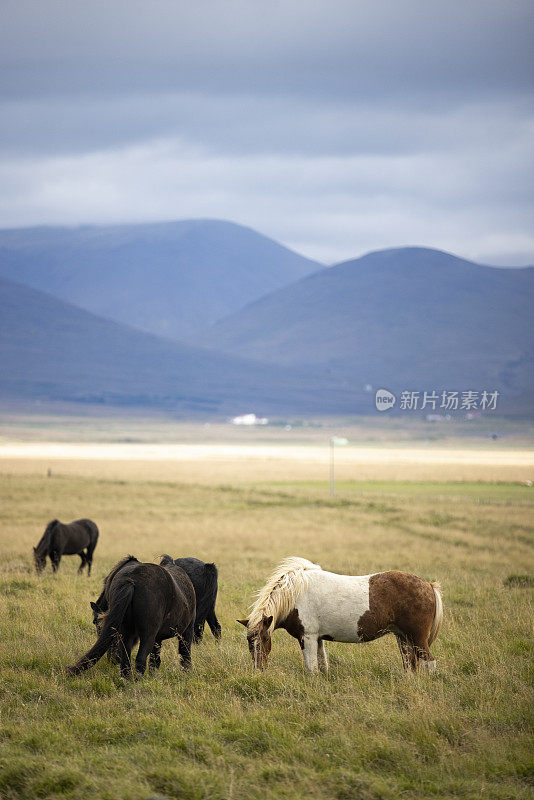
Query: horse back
[[164, 597], [204, 578], [183, 584], [184, 606], [91, 528], [71, 537], [194, 567]]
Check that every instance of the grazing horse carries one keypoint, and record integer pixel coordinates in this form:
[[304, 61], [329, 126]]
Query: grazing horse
[[316, 606], [204, 579], [66, 539], [146, 603]]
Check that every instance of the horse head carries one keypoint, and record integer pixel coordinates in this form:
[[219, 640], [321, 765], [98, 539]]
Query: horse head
[[98, 615], [259, 641], [40, 560]]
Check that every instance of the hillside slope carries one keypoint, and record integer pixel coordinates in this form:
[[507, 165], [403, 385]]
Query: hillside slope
[[51, 350], [170, 279], [410, 318]]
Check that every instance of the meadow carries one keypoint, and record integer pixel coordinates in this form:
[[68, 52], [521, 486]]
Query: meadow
[[365, 731]]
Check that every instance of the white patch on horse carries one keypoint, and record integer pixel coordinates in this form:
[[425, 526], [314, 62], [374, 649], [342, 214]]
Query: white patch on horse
[[331, 605]]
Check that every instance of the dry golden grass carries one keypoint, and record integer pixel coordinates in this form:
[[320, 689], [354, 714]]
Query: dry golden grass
[[365, 731], [239, 463]]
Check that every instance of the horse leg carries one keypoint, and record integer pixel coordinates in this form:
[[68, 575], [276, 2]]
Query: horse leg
[[213, 622], [146, 646], [425, 659], [89, 558], [154, 659], [309, 653], [198, 631], [184, 646], [55, 558], [406, 651], [321, 656], [415, 652], [82, 565], [124, 646]]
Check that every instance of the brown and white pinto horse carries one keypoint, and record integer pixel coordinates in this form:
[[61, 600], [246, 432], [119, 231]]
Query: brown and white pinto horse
[[316, 606]]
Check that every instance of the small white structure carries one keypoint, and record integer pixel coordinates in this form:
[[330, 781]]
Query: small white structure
[[249, 419]]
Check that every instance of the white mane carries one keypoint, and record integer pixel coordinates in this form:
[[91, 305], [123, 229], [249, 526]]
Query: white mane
[[282, 590]]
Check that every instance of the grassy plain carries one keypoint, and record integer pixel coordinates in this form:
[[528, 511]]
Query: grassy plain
[[366, 731]]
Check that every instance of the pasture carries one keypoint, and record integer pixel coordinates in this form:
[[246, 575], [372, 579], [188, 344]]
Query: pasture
[[365, 731]]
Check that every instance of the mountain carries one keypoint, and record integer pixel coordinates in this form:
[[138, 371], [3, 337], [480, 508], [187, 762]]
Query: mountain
[[169, 278], [51, 350], [408, 318]]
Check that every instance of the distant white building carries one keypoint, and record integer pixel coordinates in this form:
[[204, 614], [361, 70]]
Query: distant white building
[[249, 419]]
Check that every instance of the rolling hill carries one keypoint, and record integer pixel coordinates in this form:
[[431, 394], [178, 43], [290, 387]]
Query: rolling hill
[[170, 279], [53, 351], [408, 318]]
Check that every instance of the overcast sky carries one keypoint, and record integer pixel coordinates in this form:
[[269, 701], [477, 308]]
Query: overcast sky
[[334, 126]]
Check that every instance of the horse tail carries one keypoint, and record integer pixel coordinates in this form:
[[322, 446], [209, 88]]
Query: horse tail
[[209, 596], [118, 606], [93, 535], [438, 614]]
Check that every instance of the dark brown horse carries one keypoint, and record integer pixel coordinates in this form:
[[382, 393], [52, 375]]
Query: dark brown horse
[[146, 603], [204, 578], [66, 539]]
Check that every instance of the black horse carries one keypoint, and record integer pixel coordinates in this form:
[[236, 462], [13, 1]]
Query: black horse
[[66, 539], [146, 603], [204, 579]]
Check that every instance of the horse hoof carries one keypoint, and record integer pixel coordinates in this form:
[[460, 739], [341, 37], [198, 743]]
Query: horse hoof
[[428, 666]]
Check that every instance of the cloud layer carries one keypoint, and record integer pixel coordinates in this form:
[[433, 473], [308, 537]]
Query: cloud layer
[[335, 127]]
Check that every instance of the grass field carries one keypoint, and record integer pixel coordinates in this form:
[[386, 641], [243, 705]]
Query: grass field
[[366, 731]]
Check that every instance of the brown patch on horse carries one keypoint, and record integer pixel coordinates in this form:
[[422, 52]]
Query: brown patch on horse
[[293, 626], [400, 603]]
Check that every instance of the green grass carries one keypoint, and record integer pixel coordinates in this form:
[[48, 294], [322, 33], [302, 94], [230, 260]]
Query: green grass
[[366, 731]]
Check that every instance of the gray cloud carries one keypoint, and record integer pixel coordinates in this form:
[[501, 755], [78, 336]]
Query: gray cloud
[[335, 126], [345, 47]]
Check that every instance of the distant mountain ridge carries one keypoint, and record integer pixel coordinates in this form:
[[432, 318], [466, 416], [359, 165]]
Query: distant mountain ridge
[[53, 351], [406, 318], [169, 278]]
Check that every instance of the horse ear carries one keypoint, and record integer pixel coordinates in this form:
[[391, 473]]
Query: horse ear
[[243, 622], [267, 621], [94, 606], [34, 549]]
